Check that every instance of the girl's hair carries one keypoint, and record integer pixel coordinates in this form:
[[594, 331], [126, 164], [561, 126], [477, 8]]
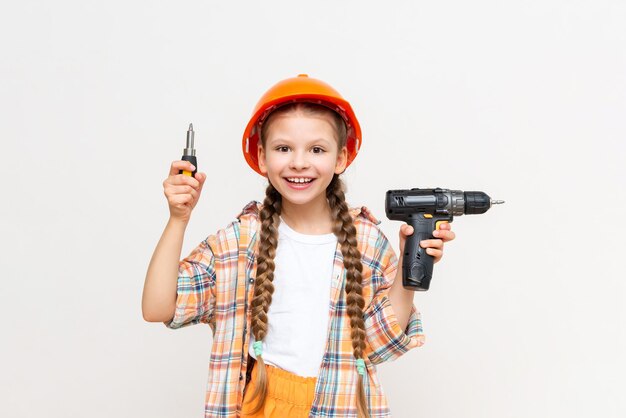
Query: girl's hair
[[345, 231]]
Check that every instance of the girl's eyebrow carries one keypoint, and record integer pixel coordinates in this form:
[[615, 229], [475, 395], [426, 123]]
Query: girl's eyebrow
[[312, 141]]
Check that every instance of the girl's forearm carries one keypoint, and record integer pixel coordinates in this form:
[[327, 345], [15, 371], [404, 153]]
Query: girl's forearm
[[401, 301], [159, 292]]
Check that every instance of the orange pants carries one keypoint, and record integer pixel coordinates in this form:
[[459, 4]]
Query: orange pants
[[288, 395]]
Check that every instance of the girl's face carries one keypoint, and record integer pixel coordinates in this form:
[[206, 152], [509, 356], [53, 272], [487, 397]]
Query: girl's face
[[301, 156]]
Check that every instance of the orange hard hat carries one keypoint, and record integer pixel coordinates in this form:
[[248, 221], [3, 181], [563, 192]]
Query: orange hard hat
[[299, 89]]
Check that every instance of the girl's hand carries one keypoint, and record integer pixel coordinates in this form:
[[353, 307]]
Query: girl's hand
[[182, 191], [433, 247]]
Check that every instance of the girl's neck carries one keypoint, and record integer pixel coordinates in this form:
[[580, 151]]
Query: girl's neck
[[313, 218]]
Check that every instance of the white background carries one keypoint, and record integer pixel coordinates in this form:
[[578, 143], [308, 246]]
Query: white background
[[523, 100]]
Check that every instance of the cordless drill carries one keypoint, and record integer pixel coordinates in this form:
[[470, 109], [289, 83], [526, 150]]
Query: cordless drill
[[425, 210]]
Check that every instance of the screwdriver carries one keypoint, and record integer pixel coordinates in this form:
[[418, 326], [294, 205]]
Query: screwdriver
[[189, 153]]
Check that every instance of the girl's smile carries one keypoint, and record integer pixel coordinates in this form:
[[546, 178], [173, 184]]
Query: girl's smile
[[299, 183], [301, 157]]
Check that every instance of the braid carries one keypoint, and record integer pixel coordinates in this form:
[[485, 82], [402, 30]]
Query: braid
[[345, 231], [263, 287]]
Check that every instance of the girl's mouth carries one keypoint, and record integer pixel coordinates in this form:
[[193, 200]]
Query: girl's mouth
[[299, 183]]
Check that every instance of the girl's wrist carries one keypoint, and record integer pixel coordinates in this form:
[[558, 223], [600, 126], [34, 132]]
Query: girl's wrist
[[178, 222], [400, 292]]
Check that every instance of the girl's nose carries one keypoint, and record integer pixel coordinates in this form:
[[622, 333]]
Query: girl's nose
[[299, 161]]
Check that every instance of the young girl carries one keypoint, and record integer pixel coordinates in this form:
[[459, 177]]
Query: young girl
[[302, 294]]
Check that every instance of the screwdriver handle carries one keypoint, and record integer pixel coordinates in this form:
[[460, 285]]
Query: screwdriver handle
[[192, 160]]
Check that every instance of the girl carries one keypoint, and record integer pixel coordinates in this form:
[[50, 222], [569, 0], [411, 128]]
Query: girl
[[302, 294]]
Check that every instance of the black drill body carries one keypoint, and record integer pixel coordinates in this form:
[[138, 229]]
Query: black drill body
[[425, 210]]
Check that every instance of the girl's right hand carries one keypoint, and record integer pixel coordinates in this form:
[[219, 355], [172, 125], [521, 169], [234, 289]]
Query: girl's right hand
[[182, 191]]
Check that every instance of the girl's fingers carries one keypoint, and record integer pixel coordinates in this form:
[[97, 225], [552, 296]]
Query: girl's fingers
[[182, 190], [444, 234], [180, 165], [406, 230], [431, 243], [437, 254], [180, 199], [434, 247], [181, 179]]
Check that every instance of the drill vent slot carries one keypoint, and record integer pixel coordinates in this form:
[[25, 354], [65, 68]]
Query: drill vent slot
[[400, 200]]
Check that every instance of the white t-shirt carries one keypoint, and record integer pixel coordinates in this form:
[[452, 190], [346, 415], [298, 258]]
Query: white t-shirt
[[298, 314]]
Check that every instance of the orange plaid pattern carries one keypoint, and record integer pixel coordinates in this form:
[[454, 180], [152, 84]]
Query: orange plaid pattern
[[216, 284]]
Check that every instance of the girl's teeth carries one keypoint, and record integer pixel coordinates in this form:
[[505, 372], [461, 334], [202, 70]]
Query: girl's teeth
[[299, 180]]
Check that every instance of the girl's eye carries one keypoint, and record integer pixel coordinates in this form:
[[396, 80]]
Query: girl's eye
[[282, 149], [317, 150]]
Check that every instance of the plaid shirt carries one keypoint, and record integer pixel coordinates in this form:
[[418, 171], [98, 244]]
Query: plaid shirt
[[216, 285]]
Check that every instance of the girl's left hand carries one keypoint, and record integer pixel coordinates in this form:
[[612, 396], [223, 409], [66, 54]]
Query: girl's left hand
[[434, 246]]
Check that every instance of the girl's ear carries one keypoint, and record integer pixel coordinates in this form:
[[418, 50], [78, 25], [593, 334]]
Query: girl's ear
[[261, 159], [342, 160]]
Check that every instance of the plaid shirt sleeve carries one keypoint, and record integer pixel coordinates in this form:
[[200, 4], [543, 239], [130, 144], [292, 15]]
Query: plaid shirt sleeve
[[387, 340], [195, 292]]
